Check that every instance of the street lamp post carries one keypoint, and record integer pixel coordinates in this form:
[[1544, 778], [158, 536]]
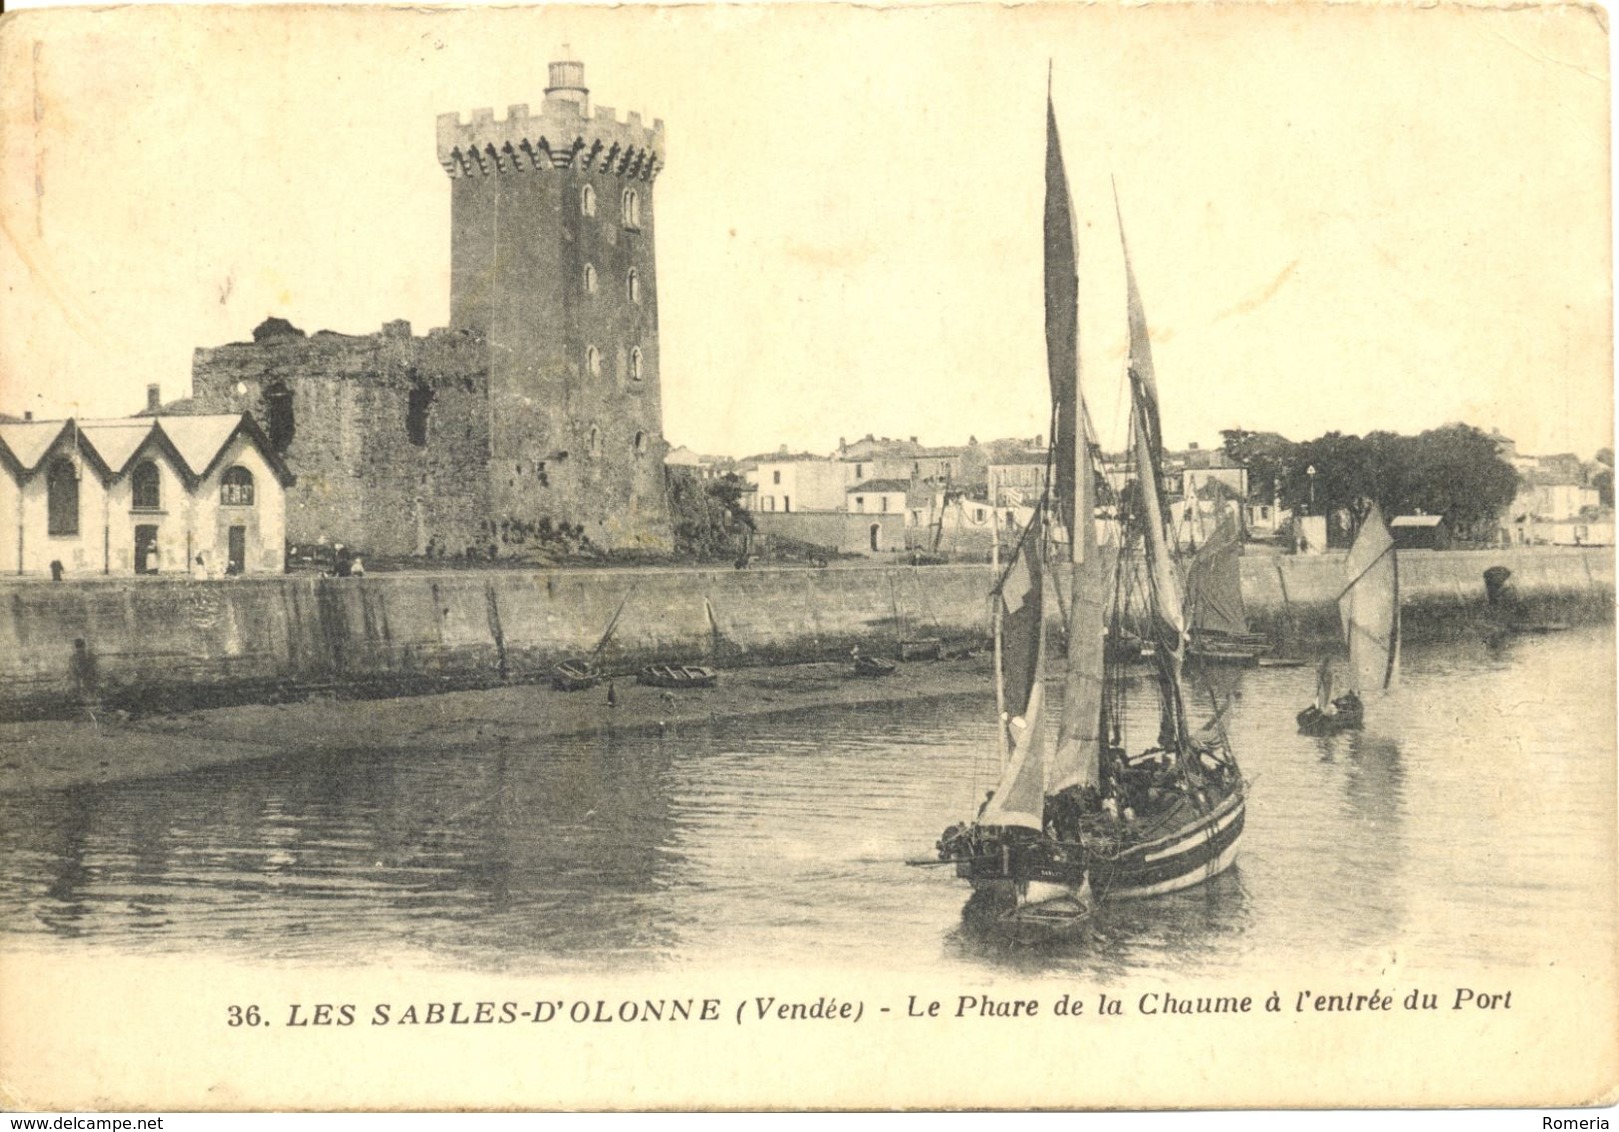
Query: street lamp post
[[1310, 471]]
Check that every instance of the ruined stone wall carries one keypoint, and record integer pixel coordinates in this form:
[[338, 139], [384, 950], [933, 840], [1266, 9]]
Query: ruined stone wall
[[389, 434]]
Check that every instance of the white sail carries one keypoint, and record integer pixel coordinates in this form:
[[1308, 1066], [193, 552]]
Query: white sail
[[1370, 607], [1019, 797]]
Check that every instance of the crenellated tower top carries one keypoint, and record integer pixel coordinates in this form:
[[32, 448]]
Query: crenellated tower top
[[566, 134]]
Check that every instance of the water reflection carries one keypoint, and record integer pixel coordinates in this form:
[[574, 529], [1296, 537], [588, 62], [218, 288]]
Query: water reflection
[[1457, 829], [1116, 940]]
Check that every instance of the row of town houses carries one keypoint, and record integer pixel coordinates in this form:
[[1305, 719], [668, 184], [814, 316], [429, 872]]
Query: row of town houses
[[881, 495], [1556, 502], [878, 495], [205, 495]]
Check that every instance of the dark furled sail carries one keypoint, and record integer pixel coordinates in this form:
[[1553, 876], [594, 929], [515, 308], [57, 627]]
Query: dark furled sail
[[1214, 585]]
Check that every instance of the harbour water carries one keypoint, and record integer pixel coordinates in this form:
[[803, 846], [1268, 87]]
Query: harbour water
[[1470, 825]]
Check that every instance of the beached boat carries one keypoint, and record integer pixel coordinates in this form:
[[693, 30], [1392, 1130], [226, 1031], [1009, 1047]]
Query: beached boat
[[581, 672], [575, 675], [678, 676], [1369, 611], [1075, 818], [923, 648], [873, 665]]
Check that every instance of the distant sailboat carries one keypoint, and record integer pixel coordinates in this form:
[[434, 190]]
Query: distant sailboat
[[1369, 610], [1074, 818], [1216, 616]]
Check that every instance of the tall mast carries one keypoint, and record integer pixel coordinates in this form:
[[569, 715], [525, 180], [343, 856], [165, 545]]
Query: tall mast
[[996, 630]]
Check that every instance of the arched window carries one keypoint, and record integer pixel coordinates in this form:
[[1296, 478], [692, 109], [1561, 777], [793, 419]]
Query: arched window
[[145, 487], [635, 364], [62, 498], [633, 286], [593, 361], [236, 487], [640, 444], [590, 279], [632, 208], [587, 201], [595, 441]]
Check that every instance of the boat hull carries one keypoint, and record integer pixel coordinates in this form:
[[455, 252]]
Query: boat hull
[[1039, 870], [1237, 656], [1315, 722], [575, 676], [1191, 855], [1240, 649], [678, 676]]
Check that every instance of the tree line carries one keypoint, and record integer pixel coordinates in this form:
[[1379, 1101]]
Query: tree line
[[1455, 471]]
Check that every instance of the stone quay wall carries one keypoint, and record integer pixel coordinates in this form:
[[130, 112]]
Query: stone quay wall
[[146, 642]]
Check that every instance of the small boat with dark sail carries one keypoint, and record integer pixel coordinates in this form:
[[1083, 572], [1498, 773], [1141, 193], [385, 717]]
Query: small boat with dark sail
[[1216, 615], [1369, 611], [678, 676], [1076, 818]]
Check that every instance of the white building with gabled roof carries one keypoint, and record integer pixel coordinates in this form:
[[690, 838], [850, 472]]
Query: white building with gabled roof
[[197, 495]]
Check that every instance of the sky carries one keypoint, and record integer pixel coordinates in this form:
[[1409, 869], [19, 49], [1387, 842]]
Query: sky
[[1339, 217]]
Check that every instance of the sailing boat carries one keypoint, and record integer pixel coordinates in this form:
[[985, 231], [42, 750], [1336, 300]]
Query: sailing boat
[[1216, 617], [1078, 819], [1369, 610]]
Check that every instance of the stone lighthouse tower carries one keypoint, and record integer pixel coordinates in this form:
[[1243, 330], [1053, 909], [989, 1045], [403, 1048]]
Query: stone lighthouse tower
[[552, 226]]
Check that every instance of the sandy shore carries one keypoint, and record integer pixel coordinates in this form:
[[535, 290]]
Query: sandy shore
[[55, 754]]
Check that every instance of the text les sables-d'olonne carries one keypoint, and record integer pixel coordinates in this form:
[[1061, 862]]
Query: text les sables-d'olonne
[[831, 1008]]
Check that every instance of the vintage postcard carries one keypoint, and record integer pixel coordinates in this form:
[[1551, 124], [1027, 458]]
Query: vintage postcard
[[807, 556]]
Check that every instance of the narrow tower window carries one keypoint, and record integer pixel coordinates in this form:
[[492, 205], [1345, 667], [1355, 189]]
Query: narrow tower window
[[640, 444], [590, 279], [593, 361], [634, 286], [632, 209], [587, 201], [280, 423], [635, 364], [595, 441], [421, 400]]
